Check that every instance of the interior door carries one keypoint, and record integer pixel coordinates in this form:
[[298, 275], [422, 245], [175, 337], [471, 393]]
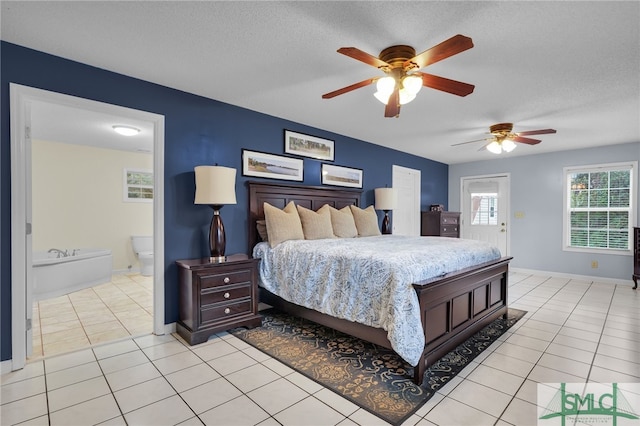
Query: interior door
[[406, 215], [485, 210]]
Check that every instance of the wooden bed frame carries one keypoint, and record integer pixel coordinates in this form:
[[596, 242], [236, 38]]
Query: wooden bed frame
[[453, 307]]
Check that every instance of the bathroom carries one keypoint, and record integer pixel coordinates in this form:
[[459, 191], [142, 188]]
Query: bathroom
[[88, 201]]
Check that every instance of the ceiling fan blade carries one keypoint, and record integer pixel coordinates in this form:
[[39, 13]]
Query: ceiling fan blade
[[357, 54], [450, 47], [446, 85], [536, 132], [354, 86], [528, 141], [477, 140], [393, 105]]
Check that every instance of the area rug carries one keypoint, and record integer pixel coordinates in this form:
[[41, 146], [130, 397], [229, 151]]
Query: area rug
[[370, 376]]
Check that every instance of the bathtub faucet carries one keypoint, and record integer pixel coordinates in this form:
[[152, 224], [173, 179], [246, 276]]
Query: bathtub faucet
[[61, 253]]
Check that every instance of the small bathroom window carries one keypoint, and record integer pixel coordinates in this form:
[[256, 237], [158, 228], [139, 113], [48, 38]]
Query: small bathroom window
[[138, 185]]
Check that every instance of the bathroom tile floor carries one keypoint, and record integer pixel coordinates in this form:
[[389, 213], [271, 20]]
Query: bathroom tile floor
[[117, 309]]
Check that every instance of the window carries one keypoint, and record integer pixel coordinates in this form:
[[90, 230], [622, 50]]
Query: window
[[484, 208], [599, 207], [484, 202], [138, 185]]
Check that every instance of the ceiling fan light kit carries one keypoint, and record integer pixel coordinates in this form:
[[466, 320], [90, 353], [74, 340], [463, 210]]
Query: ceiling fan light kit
[[504, 139], [403, 81]]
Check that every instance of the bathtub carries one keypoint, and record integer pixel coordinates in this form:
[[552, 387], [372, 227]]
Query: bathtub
[[53, 276]]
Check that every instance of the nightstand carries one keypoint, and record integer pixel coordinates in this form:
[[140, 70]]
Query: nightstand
[[217, 296]]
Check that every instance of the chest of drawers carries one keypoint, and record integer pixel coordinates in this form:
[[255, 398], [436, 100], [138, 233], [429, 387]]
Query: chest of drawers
[[217, 296], [442, 224]]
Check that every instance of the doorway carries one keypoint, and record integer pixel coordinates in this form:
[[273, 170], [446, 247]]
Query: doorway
[[406, 215], [23, 101], [485, 210]]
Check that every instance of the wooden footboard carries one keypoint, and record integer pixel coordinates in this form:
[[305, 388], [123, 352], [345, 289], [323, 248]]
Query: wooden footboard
[[458, 305]]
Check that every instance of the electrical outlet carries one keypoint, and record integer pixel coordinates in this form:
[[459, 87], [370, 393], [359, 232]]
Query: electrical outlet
[[594, 264], [519, 215]]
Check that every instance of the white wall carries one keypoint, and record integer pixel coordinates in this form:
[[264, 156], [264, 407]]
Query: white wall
[[78, 200], [537, 191]]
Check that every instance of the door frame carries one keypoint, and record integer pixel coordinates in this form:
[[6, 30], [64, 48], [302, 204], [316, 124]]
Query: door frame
[[21, 98], [507, 203]]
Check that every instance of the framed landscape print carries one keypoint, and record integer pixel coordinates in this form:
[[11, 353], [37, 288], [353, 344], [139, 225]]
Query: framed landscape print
[[261, 164], [341, 176], [308, 146]]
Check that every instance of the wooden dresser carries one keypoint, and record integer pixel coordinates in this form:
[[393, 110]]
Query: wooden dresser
[[441, 224], [217, 296]]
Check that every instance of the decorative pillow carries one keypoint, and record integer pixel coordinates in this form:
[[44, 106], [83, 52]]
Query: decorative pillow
[[282, 225], [315, 225], [342, 222], [366, 221], [261, 225]]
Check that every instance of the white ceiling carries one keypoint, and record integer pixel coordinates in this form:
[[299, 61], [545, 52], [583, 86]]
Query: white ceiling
[[571, 66]]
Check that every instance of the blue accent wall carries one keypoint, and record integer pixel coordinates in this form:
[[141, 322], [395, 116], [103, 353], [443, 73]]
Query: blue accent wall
[[198, 131]]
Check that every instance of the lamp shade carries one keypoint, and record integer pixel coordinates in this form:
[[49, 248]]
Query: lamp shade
[[215, 185], [385, 198]]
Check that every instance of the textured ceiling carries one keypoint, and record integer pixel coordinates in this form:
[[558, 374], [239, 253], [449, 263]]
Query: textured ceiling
[[571, 66]]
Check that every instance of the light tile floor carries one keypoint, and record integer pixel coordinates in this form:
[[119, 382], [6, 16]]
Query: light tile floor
[[575, 331], [110, 311]]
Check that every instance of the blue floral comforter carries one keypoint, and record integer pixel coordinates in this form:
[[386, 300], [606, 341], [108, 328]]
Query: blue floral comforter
[[367, 280]]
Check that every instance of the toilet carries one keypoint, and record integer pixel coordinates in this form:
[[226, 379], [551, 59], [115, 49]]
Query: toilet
[[143, 246]]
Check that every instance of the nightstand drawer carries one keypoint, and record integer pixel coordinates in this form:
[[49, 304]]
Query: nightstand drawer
[[226, 278], [222, 312], [226, 294]]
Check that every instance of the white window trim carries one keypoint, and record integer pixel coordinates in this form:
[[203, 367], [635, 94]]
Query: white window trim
[[633, 201], [125, 186]]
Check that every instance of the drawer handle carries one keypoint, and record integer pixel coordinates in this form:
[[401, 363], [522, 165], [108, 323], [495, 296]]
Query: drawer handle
[[226, 280], [227, 295], [227, 311]]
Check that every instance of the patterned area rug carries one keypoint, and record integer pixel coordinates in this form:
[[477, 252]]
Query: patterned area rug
[[370, 376]]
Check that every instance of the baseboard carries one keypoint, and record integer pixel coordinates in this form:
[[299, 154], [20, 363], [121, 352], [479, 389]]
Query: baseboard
[[170, 328], [573, 276], [126, 271], [5, 366]]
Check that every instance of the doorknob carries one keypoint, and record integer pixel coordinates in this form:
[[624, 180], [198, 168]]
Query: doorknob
[[502, 224], [503, 230]]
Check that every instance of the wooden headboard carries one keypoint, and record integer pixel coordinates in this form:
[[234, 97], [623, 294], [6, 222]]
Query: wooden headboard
[[279, 195]]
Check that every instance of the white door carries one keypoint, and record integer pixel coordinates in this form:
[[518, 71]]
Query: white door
[[406, 215], [485, 210]]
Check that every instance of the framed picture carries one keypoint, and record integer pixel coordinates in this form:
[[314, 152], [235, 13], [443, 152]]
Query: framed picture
[[341, 176], [261, 164], [308, 146]]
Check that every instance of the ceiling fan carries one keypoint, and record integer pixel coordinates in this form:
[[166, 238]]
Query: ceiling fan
[[400, 64], [503, 138]]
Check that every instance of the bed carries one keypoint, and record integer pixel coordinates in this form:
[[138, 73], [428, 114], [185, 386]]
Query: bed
[[452, 307]]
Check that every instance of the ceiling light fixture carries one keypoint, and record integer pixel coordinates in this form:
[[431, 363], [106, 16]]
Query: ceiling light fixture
[[409, 85], [126, 130], [501, 144]]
